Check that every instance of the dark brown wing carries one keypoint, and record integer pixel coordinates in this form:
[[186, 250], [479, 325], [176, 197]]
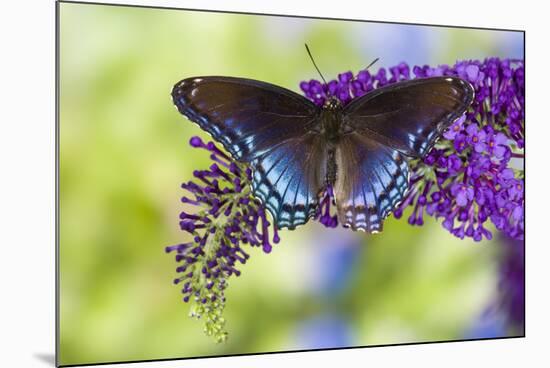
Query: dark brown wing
[[248, 117], [410, 116], [372, 179]]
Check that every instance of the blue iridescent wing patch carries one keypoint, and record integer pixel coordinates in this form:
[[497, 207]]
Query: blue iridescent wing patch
[[289, 178], [376, 180]]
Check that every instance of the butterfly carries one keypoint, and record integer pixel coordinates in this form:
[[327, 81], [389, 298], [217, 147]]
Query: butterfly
[[297, 149]]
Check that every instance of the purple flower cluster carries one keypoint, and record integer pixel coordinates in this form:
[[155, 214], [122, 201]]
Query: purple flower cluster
[[225, 215], [469, 176], [324, 211]]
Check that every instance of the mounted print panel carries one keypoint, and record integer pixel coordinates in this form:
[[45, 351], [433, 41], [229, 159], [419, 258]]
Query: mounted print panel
[[241, 184]]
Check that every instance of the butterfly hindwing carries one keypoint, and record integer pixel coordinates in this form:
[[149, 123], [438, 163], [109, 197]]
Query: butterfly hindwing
[[268, 127], [289, 177], [373, 179], [411, 115]]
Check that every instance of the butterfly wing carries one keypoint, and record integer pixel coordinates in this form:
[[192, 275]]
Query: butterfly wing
[[372, 179], [288, 179], [268, 127], [410, 116], [248, 117], [388, 124]]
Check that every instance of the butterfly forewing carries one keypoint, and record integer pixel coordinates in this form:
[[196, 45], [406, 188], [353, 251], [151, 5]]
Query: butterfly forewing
[[247, 117], [410, 116], [268, 127]]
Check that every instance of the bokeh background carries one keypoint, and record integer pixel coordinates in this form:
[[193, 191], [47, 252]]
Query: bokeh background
[[124, 151]]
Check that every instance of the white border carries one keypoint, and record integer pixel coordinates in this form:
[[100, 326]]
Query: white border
[[27, 184]]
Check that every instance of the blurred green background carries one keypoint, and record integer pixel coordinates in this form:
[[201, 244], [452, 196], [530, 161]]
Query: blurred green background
[[124, 152]]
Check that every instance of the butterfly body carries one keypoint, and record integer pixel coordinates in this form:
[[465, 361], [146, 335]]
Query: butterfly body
[[331, 120], [297, 149], [331, 127]]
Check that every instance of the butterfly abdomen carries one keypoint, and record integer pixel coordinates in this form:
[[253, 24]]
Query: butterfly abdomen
[[332, 168]]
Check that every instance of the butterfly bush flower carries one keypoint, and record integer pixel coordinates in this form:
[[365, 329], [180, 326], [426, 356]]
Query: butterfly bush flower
[[468, 178], [225, 217]]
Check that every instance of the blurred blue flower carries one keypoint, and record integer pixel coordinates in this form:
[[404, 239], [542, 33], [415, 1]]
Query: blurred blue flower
[[324, 331], [336, 251], [488, 326], [511, 289], [505, 316]]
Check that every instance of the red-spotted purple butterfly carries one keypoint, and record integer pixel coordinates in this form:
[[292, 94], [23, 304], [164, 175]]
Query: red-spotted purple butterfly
[[296, 149]]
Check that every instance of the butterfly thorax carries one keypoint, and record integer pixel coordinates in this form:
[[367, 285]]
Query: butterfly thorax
[[331, 121]]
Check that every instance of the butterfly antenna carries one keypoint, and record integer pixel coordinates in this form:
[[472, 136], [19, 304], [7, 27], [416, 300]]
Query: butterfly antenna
[[315, 65], [371, 64]]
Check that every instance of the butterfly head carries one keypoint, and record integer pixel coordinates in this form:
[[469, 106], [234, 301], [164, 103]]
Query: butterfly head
[[333, 103]]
